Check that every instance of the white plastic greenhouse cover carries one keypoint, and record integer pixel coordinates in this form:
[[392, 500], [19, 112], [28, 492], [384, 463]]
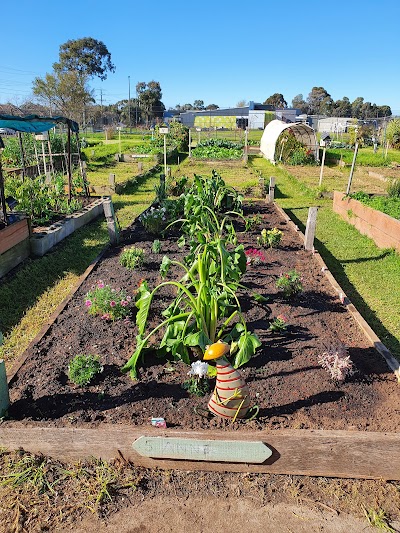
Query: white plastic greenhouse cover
[[303, 133]]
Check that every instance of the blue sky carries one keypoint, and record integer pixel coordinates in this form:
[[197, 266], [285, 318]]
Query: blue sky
[[220, 52]]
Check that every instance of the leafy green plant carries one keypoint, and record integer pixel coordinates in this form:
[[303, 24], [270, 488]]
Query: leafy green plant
[[109, 303], [270, 238], [83, 368], [218, 149], [132, 257], [154, 219], [156, 246], [290, 284], [204, 307], [251, 222], [278, 324]]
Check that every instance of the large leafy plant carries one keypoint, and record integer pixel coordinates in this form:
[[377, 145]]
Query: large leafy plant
[[206, 307]]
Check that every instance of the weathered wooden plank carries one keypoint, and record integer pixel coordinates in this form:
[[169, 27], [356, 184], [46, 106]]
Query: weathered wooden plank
[[202, 450], [310, 228], [4, 395], [271, 191], [349, 454], [13, 234]]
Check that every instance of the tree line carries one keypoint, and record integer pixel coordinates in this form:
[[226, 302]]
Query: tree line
[[320, 102]]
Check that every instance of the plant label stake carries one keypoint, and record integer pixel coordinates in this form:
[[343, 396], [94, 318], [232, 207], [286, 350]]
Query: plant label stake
[[310, 228], [224, 451], [112, 224], [271, 192]]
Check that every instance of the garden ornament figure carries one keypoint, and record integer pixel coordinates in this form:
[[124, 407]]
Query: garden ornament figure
[[230, 398]]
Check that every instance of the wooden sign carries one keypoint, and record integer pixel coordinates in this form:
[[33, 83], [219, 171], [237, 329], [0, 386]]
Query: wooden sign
[[224, 451]]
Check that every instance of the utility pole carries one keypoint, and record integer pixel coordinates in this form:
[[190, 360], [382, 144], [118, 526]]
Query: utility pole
[[129, 103]]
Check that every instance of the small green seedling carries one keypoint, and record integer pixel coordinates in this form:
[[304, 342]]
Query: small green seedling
[[156, 248]]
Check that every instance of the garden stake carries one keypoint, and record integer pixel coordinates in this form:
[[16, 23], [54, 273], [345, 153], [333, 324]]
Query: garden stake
[[4, 394]]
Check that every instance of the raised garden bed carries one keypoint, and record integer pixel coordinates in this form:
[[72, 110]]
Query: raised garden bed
[[312, 424], [383, 229], [14, 244], [44, 238]]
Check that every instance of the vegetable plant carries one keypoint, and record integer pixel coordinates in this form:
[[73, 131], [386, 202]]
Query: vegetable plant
[[132, 257], [205, 309], [83, 368]]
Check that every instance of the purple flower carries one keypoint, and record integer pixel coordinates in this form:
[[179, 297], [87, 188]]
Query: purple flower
[[112, 303], [124, 303], [88, 303], [100, 284]]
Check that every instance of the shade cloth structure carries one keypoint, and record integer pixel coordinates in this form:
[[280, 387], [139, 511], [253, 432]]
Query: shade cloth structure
[[35, 123], [303, 133]]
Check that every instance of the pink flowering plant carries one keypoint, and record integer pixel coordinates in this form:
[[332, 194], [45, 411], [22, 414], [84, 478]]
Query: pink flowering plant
[[278, 324], [254, 256], [337, 363], [290, 284], [110, 304]]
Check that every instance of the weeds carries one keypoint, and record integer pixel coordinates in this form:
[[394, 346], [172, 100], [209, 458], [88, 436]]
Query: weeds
[[378, 519]]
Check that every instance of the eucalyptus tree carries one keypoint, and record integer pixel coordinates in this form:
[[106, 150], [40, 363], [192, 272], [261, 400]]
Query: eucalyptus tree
[[66, 90]]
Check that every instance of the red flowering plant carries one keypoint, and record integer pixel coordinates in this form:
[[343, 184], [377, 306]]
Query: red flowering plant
[[254, 256], [278, 324], [110, 304]]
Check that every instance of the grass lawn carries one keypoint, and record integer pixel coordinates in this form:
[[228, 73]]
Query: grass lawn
[[123, 171]]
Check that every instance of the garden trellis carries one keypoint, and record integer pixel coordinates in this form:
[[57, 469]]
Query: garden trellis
[[38, 125]]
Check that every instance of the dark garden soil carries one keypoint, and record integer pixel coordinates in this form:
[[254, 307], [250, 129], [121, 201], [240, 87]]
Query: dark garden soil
[[285, 379]]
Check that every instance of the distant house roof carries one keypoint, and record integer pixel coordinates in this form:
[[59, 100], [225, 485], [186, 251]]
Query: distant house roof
[[325, 137]]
